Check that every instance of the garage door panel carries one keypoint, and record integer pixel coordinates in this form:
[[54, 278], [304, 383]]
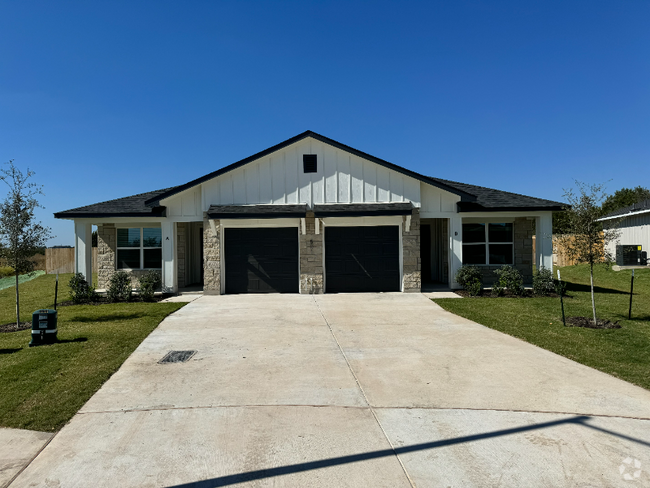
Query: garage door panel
[[364, 259], [261, 260]]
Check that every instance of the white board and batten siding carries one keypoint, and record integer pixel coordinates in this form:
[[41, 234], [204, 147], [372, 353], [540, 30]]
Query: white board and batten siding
[[279, 179], [634, 230], [341, 177]]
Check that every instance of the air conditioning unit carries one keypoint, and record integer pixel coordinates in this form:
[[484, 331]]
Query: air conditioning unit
[[628, 255]]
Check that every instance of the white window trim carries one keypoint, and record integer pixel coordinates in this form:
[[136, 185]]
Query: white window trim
[[141, 248], [487, 243]]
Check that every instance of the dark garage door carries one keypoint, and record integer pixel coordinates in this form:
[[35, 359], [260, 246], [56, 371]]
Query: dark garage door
[[261, 260], [362, 259]]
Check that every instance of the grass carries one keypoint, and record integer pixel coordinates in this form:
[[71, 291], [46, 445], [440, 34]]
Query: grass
[[41, 388], [624, 353]]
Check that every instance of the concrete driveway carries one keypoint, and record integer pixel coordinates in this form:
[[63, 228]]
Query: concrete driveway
[[348, 390]]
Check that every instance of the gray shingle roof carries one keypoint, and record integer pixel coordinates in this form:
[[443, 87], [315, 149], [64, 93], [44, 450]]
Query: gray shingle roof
[[632, 209], [360, 209], [132, 206], [256, 211], [489, 199]]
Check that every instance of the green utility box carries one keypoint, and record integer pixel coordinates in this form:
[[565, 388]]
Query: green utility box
[[43, 327]]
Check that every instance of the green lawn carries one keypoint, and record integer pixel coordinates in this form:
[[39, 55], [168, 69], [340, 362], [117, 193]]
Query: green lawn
[[41, 388], [624, 353]]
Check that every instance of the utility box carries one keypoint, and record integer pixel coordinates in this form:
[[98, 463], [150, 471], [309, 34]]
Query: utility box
[[44, 327], [628, 255]]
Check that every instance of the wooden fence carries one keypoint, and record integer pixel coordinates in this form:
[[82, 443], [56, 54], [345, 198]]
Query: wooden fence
[[560, 255], [61, 260]]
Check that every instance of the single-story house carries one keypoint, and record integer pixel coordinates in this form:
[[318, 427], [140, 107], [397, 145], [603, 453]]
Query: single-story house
[[312, 215], [633, 223]]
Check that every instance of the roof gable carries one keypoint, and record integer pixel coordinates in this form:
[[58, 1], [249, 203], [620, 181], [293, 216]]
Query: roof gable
[[431, 181]]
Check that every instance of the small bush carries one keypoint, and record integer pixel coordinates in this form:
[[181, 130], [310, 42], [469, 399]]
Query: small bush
[[6, 271], [474, 288], [80, 289], [149, 283], [511, 279], [119, 287], [497, 289], [467, 275], [543, 284]]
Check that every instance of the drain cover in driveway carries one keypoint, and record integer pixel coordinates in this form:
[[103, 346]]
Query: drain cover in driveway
[[177, 357]]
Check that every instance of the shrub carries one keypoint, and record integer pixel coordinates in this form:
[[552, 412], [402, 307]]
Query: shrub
[[497, 289], [119, 287], [467, 275], [474, 288], [80, 289], [149, 283], [6, 271], [543, 282], [511, 279]]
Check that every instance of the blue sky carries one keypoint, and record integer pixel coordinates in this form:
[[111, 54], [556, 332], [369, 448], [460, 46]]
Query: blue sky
[[108, 99]]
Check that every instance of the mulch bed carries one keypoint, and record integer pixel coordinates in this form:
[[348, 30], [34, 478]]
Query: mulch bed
[[104, 301], [12, 327], [589, 323], [506, 294]]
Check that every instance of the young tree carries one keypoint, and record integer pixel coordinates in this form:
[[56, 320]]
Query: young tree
[[586, 240], [20, 236]]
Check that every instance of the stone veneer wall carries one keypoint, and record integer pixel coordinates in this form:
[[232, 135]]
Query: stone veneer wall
[[523, 241], [106, 243], [412, 264], [311, 257], [211, 258], [181, 233]]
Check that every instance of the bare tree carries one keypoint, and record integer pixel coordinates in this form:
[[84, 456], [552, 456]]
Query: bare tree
[[20, 235], [586, 240]]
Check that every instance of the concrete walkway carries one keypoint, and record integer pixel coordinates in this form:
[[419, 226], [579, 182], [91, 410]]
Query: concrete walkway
[[348, 390], [17, 448]]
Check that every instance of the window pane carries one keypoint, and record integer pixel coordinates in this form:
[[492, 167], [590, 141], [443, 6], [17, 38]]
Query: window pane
[[153, 258], [500, 253], [128, 237], [500, 232], [128, 258], [473, 233], [151, 237], [473, 254]]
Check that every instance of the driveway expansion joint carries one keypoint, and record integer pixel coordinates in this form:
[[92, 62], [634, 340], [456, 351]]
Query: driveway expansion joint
[[356, 379]]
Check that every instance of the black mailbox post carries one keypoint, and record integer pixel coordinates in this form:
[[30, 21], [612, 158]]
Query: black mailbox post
[[43, 327]]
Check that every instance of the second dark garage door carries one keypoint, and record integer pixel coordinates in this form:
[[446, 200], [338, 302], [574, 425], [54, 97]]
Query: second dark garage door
[[359, 259], [261, 260]]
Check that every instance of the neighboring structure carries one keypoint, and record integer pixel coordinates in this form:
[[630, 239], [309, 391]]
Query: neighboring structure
[[311, 215], [633, 222]]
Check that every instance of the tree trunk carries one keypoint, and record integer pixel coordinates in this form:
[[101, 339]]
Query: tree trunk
[[17, 304], [593, 302]]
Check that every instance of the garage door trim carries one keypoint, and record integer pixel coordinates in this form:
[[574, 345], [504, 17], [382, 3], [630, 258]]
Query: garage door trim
[[366, 222], [251, 223]]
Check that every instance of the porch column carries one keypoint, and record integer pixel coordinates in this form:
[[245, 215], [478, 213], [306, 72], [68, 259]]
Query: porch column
[[83, 250], [456, 249], [168, 264], [544, 241]]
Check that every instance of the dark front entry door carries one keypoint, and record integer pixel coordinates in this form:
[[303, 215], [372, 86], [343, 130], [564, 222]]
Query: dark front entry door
[[261, 260], [362, 259]]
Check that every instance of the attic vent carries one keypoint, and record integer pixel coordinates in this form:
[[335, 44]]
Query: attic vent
[[309, 163]]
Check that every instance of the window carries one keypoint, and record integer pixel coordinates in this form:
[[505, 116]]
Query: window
[[488, 243], [139, 248]]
